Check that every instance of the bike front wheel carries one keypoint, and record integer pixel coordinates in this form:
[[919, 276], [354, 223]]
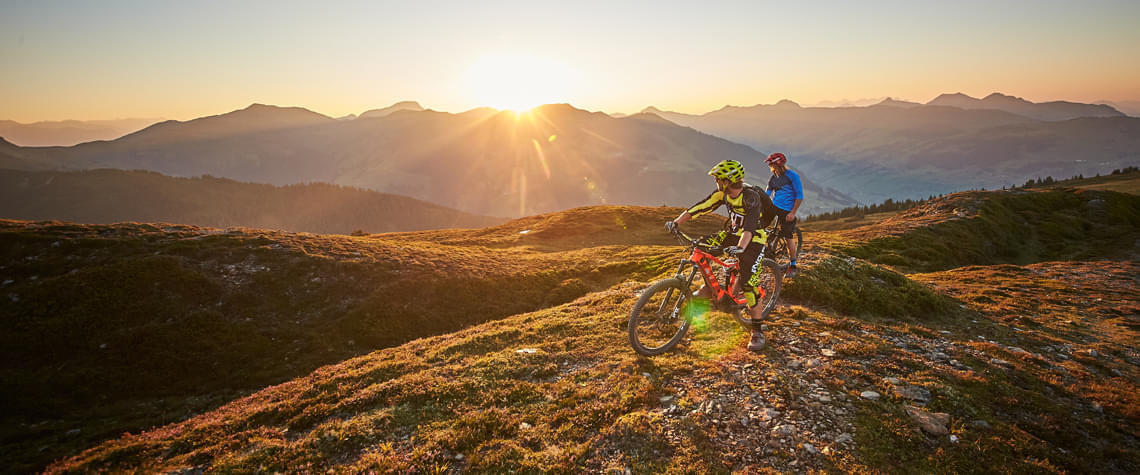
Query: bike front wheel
[[661, 317]]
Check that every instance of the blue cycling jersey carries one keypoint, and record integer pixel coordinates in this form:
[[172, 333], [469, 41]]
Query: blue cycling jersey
[[785, 189]]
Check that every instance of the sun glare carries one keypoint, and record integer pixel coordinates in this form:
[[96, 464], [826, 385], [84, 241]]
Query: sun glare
[[519, 83]]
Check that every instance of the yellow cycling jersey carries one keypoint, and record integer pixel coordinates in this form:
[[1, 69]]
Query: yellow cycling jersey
[[743, 211]]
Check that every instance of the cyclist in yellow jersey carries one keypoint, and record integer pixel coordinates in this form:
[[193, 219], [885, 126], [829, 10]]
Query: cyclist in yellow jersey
[[747, 207]]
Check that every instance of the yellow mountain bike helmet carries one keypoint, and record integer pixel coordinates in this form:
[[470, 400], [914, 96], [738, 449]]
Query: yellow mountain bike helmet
[[730, 170]]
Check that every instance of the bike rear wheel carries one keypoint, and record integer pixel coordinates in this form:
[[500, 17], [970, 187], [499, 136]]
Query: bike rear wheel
[[767, 292], [661, 317], [780, 247]]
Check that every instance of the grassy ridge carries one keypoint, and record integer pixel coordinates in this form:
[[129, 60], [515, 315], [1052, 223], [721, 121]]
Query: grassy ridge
[[119, 327], [1016, 227], [1030, 364]]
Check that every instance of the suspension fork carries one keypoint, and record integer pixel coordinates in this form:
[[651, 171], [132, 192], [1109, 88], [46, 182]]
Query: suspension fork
[[686, 283]]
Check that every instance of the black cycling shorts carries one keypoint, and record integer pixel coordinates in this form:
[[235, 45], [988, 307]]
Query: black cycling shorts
[[786, 228]]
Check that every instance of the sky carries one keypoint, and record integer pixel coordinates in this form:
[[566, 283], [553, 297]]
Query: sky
[[179, 60]]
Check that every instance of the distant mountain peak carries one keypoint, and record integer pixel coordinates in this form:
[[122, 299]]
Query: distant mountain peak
[[787, 103], [891, 102], [399, 106], [952, 99]]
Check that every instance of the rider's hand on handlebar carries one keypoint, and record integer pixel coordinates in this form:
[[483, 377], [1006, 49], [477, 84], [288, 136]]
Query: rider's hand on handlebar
[[734, 250], [671, 226]]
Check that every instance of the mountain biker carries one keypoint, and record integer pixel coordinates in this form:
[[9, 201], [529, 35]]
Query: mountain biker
[[787, 195], [747, 207]]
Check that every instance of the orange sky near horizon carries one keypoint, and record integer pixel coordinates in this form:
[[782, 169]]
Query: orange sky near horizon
[[118, 59]]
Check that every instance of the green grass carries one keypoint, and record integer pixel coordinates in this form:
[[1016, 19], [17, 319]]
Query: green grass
[[1016, 227]]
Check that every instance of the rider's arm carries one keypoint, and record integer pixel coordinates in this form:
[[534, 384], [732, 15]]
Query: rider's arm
[[798, 188], [685, 216], [705, 206], [745, 239], [795, 208], [752, 210]]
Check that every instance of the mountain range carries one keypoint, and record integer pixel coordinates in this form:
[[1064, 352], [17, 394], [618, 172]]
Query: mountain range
[[483, 161], [897, 149]]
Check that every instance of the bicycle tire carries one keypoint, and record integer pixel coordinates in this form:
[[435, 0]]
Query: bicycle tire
[[780, 247], [637, 318], [771, 280]]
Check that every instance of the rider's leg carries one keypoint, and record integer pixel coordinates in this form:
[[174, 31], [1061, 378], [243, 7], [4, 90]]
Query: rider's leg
[[749, 276], [712, 240]]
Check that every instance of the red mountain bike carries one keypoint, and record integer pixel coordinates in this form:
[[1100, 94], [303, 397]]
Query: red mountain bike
[[666, 309]]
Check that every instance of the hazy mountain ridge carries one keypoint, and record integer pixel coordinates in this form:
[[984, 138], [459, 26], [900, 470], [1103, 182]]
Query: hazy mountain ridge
[[1048, 111], [480, 161], [68, 132], [883, 151], [399, 106], [110, 196]]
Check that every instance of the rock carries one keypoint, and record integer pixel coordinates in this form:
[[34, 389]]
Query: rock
[[914, 393], [825, 399], [744, 421], [810, 449], [524, 426], [827, 352], [844, 438], [939, 356], [953, 438], [871, 395], [1000, 362], [1016, 350], [665, 399], [784, 430], [979, 424], [894, 381], [1092, 353], [931, 423]]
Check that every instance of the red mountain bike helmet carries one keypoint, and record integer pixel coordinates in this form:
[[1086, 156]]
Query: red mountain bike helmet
[[777, 159]]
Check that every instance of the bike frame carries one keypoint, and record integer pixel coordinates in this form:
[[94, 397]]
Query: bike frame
[[700, 261]]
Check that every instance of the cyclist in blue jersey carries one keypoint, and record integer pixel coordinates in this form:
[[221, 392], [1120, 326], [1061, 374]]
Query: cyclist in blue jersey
[[787, 194]]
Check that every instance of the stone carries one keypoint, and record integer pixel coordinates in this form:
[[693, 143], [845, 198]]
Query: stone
[[810, 449], [524, 426], [1000, 362], [785, 430], [871, 395], [894, 381], [914, 393], [827, 352], [931, 423], [844, 438], [979, 424]]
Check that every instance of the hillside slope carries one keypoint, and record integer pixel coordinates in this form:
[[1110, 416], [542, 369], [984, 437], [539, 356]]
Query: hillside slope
[[1026, 367], [112, 196], [182, 318]]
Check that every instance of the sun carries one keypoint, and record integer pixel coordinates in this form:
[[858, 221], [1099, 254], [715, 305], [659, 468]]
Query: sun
[[518, 82]]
